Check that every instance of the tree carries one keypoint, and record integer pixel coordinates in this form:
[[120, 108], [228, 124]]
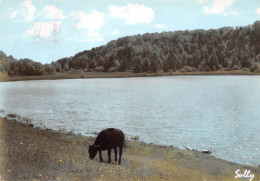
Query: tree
[[145, 65], [213, 60], [154, 67], [92, 64], [109, 61], [49, 69], [255, 35], [137, 64], [165, 66], [171, 61], [81, 62]]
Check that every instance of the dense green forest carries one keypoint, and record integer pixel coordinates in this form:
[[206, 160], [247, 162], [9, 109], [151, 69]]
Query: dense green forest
[[225, 48]]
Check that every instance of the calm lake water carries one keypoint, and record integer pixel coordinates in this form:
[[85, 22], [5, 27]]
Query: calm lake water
[[220, 113]]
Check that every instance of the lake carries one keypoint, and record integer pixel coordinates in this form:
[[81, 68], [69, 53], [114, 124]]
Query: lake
[[220, 113]]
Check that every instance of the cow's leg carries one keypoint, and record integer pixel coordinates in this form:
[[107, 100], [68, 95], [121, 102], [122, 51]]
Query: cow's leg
[[115, 150], [100, 156], [109, 155], [120, 154]]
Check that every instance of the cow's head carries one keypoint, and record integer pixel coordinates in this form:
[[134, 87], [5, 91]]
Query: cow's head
[[92, 150]]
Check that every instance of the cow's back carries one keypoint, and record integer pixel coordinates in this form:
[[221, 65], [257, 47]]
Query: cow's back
[[110, 138]]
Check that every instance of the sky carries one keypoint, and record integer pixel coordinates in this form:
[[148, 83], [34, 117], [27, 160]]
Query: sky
[[46, 30]]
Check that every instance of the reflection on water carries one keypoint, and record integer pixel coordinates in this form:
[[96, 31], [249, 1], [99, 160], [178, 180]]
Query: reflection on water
[[220, 113]]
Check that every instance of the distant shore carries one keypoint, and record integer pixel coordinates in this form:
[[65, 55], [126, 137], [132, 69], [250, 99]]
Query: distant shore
[[80, 75], [27, 153]]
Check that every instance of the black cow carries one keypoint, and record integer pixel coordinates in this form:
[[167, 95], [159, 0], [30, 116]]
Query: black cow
[[106, 140]]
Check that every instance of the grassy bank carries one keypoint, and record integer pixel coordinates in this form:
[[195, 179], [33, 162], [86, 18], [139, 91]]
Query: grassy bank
[[78, 75], [27, 153]]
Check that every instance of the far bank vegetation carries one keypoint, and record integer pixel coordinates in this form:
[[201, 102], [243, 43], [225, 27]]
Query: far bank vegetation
[[223, 49]]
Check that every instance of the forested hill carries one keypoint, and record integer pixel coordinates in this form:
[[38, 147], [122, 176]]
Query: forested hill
[[225, 48], [198, 50]]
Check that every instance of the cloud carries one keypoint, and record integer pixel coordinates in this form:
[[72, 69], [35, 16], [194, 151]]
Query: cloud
[[29, 12], [115, 32], [132, 13], [93, 36], [1, 2], [91, 22], [41, 30], [159, 26], [217, 6], [230, 13], [53, 13], [14, 14], [25, 12], [234, 13], [258, 11]]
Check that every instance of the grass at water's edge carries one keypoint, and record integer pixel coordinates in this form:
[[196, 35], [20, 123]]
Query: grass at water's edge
[[3, 77], [78, 75], [27, 153]]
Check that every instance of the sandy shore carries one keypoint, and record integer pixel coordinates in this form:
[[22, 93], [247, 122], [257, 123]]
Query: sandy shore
[[27, 153], [4, 77]]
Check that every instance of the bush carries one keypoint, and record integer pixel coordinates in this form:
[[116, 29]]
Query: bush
[[82, 75], [220, 67], [99, 69], [201, 68], [257, 71], [235, 67], [245, 69], [136, 69], [254, 67], [11, 73], [112, 69], [49, 69], [194, 69], [207, 69], [187, 68]]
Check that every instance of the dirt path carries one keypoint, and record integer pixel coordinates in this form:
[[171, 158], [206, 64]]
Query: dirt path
[[27, 153]]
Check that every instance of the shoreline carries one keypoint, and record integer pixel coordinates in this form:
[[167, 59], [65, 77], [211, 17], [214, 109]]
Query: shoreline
[[27, 153], [89, 75]]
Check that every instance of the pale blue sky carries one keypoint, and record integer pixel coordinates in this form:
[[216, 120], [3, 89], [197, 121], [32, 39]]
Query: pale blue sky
[[46, 30]]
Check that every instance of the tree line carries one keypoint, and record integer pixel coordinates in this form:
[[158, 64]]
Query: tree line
[[225, 48], [24, 67]]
